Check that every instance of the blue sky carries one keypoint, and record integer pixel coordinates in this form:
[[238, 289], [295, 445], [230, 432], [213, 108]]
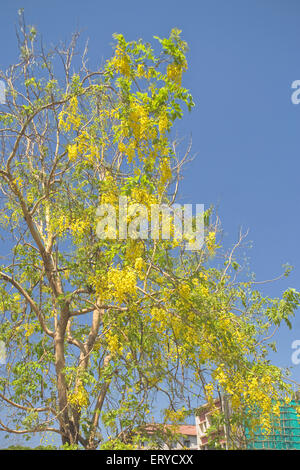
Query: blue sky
[[243, 57]]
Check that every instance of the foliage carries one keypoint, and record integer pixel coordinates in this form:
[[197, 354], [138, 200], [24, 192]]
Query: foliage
[[100, 331]]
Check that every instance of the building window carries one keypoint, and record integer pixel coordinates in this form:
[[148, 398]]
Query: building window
[[202, 427], [187, 444]]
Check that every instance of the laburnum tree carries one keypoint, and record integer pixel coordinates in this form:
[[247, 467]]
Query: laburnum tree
[[105, 335]]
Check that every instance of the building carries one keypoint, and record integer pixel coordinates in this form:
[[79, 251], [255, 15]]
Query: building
[[204, 421], [284, 435], [186, 437], [285, 431]]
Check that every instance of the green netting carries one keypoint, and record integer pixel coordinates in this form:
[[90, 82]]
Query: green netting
[[285, 433]]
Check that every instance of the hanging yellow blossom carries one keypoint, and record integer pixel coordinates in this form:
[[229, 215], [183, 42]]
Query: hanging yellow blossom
[[72, 152], [121, 61], [166, 173], [79, 398], [211, 242], [163, 123], [174, 73], [121, 282]]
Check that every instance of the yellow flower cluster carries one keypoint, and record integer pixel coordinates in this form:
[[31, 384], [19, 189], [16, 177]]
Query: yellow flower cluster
[[163, 123], [70, 118], [18, 181], [59, 223], [174, 73], [140, 71], [209, 392], [176, 416], [29, 329], [122, 147], [72, 152], [138, 121], [165, 171], [219, 374], [158, 314], [111, 195], [113, 342], [276, 409], [184, 290], [255, 392], [139, 264], [121, 62], [79, 398], [129, 150], [121, 283], [83, 146], [211, 242], [204, 291], [142, 196], [78, 228], [134, 250]]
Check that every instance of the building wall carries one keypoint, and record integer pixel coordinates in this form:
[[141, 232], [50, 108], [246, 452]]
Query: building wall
[[187, 440], [285, 433], [203, 423]]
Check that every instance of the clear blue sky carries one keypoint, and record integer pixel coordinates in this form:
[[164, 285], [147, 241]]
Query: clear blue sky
[[243, 57]]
